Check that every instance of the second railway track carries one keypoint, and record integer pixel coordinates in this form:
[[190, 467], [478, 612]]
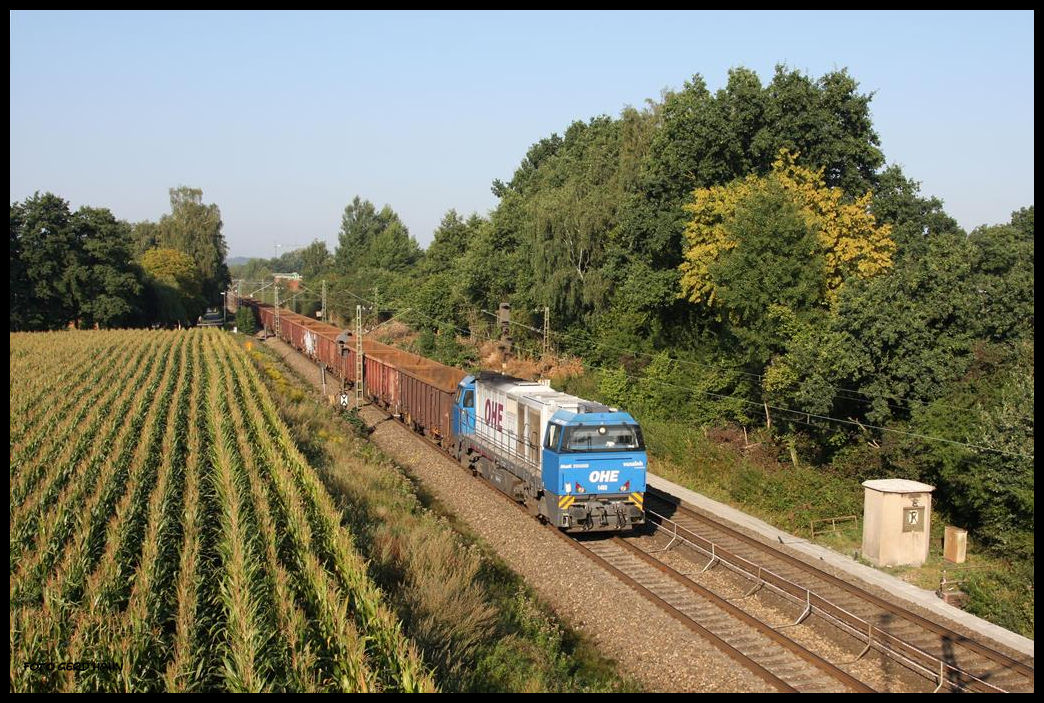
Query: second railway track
[[777, 659], [942, 656]]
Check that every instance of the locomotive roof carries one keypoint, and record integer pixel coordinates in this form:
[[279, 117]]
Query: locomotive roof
[[538, 392]]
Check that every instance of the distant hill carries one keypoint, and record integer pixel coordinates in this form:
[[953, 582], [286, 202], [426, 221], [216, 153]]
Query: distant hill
[[238, 260]]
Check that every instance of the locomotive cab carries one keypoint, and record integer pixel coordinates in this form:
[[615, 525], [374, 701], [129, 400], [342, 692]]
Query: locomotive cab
[[464, 408], [463, 421], [593, 469]]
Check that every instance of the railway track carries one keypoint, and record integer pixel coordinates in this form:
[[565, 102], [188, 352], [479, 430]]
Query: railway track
[[949, 660], [771, 656], [764, 649], [918, 644], [781, 662], [945, 658]]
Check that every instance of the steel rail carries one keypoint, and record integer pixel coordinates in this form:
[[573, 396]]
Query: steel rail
[[735, 611], [922, 661]]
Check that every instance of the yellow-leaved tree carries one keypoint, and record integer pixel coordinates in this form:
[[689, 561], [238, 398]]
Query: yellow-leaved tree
[[851, 243]]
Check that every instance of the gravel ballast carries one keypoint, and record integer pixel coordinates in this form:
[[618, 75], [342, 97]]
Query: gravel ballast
[[647, 644]]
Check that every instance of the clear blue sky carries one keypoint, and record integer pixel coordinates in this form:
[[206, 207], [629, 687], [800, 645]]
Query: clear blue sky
[[282, 118]]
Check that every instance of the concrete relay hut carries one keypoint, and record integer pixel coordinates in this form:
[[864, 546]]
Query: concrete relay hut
[[897, 517]]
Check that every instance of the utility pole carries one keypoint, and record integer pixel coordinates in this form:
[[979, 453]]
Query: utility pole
[[358, 358], [376, 306], [323, 316], [547, 329], [276, 299], [504, 317]]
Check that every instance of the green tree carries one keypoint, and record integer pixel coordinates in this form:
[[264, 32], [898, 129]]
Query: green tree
[[47, 261], [194, 228], [18, 289], [702, 140], [495, 265], [615, 387], [828, 122], [107, 284], [315, 260], [849, 240], [437, 299], [393, 249], [777, 260], [913, 218], [246, 322], [451, 239], [146, 235], [900, 341], [176, 285], [914, 330], [256, 270], [360, 225], [1003, 278], [537, 154], [987, 488], [562, 209]]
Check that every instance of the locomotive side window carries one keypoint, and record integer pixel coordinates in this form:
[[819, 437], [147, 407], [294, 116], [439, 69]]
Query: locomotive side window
[[469, 399], [552, 437]]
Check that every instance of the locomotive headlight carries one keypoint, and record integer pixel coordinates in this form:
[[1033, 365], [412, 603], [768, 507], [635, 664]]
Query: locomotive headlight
[[602, 430]]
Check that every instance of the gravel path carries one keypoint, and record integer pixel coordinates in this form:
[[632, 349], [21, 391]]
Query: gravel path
[[648, 645]]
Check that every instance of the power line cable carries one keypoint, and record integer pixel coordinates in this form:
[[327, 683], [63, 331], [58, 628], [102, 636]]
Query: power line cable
[[759, 377], [790, 410], [799, 413], [861, 425]]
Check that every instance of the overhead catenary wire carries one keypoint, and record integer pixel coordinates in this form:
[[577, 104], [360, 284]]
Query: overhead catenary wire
[[861, 425], [779, 409], [759, 377], [804, 413], [439, 323]]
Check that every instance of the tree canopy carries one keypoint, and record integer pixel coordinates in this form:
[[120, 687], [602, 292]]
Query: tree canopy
[[712, 254], [70, 267], [844, 239]]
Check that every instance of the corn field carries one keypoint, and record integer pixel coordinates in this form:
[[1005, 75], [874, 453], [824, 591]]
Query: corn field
[[166, 534]]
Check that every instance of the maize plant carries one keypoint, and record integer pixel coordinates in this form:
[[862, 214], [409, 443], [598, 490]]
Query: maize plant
[[166, 534]]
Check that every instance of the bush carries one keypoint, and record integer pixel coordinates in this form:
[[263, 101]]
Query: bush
[[245, 321]]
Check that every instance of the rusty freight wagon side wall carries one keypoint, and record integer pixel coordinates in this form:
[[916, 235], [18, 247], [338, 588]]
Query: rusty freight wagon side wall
[[295, 332], [381, 382], [267, 316], [315, 339], [419, 390], [329, 354], [426, 408], [425, 390]]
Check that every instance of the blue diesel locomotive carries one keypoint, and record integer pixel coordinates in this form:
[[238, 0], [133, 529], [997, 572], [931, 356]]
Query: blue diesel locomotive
[[578, 464]]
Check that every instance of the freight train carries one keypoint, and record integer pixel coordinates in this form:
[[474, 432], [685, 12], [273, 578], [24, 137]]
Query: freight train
[[574, 463]]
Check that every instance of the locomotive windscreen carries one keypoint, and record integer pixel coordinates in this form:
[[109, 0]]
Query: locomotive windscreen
[[603, 438]]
